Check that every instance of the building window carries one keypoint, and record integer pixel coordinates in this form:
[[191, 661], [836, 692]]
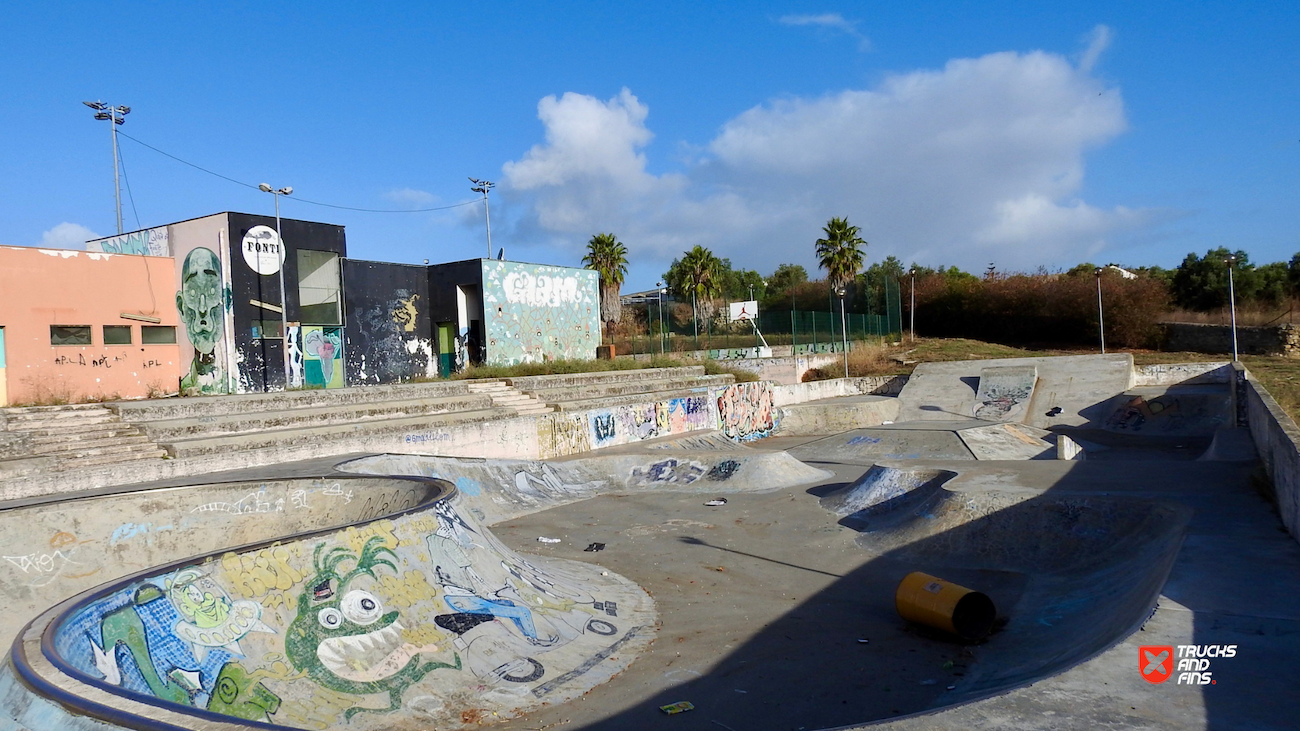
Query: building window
[[157, 335], [117, 335], [69, 335], [267, 330], [318, 288]]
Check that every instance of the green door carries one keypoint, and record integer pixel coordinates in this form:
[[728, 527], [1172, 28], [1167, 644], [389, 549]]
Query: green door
[[446, 349]]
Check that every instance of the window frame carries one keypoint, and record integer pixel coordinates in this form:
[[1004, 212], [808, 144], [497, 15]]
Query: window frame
[[90, 336]]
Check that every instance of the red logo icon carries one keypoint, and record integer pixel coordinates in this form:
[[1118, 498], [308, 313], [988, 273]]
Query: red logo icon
[[1156, 662]]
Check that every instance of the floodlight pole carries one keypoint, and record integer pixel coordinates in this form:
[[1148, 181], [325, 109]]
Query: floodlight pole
[[114, 116], [483, 186], [660, 299], [1232, 304]]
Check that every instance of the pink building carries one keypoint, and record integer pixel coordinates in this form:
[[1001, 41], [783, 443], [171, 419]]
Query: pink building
[[79, 325]]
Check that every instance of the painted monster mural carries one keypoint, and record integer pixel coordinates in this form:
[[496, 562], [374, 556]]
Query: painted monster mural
[[201, 302], [422, 613]]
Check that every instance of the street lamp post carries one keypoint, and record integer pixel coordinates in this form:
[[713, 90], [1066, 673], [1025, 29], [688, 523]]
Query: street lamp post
[[115, 116], [483, 186], [1231, 261], [284, 300], [912, 307], [660, 299], [1101, 318], [839, 290]]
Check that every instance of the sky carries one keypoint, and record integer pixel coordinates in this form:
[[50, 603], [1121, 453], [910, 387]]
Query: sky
[[1022, 135]]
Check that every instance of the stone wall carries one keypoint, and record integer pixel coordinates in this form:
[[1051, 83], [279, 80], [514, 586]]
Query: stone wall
[[1272, 340]]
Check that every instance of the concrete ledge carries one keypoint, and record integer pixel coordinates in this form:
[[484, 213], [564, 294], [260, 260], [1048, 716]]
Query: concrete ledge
[[840, 415], [816, 390], [1277, 440], [1168, 374], [560, 380]]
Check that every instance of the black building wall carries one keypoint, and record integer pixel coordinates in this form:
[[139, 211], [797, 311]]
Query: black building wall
[[389, 335], [262, 365], [443, 280]]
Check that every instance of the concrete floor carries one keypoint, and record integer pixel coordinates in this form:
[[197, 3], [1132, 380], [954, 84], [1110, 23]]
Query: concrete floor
[[764, 600]]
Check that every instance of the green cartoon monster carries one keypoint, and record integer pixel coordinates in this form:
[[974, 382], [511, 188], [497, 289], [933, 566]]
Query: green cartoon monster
[[343, 639]]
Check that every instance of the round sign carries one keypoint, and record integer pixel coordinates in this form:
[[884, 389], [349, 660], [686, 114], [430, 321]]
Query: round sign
[[262, 250]]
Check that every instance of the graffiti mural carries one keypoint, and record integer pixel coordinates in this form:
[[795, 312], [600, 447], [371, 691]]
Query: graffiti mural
[[420, 611], [202, 301], [1003, 393], [150, 242], [388, 336], [668, 472], [745, 411], [1140, 413], [535, 313], [322, 349]]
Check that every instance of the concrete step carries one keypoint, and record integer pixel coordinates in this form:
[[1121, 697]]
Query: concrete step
[[247, 403], [632, 398], [115, 458], [74, 445], [81, 431], [66, 408], [72, 456], [51, 419], [534, 383], [171, 430], [562, 394], [236, 443]]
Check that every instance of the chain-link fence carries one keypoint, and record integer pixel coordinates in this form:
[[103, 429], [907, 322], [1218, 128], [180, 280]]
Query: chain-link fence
[[669, 327]]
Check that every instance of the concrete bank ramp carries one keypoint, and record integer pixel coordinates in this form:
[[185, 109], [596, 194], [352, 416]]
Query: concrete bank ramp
[[1071, 575], [887, 494], [498, 489], [1003, 389], [953, 440], [421, 619], [1170, 411]]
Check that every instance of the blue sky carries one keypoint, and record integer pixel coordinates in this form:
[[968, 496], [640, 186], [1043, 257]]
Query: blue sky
[[1036, 134]]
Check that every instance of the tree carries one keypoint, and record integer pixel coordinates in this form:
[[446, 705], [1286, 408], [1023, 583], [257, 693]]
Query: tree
[[785, 277], [608, 257], [700, 271], [1202, 283], [840, 253]]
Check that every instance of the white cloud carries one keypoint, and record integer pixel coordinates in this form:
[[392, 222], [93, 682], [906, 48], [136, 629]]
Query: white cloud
[[67, 236], [828, 20], [1098, 41], [980, 160], [410, 195]]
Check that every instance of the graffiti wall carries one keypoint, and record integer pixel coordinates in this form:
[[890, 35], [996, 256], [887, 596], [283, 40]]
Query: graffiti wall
[[203, 303], [150, 242], [535, 313], [397, 618], [745, 410], [322, 356], [389, 335]]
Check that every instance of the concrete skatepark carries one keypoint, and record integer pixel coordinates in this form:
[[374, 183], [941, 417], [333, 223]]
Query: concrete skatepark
[[1102, 507]]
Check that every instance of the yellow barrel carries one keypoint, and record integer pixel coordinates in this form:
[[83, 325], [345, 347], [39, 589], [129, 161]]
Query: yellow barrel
[[931, 601]]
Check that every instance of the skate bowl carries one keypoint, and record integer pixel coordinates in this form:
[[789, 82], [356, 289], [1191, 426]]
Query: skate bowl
[[421, 610], [944, 440]]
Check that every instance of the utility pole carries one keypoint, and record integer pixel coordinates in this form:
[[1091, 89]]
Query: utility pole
[[1231, 261], [483, 186], [1101, 315], [912, 308], [116, 116]]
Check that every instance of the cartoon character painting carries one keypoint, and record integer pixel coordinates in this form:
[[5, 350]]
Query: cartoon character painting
[[201, 304], [343, 638]]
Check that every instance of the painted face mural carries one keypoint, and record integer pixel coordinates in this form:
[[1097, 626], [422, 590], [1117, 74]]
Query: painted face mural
[[343, 638], [200, 303]]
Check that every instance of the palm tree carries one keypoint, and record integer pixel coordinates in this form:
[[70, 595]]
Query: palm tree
[[841, 252], [700, 277], [608, 257]]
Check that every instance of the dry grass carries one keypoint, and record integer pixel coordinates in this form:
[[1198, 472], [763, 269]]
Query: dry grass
[[1250, 316], [553, 367]]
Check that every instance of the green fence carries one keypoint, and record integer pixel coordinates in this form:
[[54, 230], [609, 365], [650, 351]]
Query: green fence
[[807, 331]]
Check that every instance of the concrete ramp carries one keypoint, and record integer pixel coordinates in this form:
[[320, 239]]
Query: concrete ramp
[[1078, 385], [885, 495], [421, 619], [953, 440], [1170, 411]]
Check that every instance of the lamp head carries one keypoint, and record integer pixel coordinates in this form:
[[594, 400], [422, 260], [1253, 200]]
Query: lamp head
[[286, 190], [103, 115], [124, 110], [264, 187], [97, 106]]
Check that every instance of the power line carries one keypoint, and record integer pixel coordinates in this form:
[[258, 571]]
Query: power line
[[129, 194], [301, 200]]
